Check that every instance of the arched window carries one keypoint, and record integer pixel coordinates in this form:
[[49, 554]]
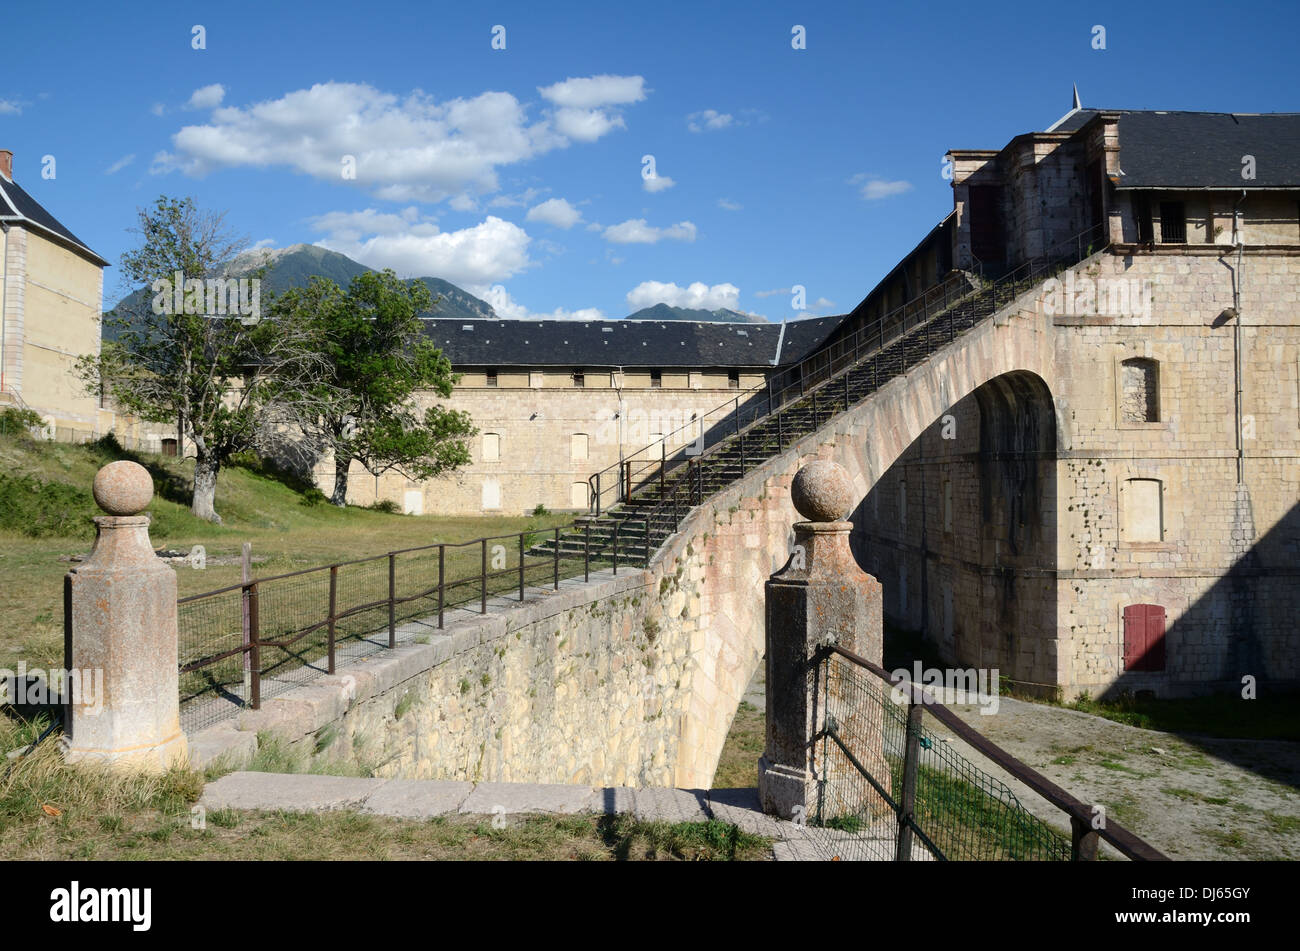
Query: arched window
[[1139, 391], [491, 447], [1142, 509], [578, 447], [1144, 637]]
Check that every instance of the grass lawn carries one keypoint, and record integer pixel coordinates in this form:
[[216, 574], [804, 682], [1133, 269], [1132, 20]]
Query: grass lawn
[[49, 810], [46, 506], [738, 763]]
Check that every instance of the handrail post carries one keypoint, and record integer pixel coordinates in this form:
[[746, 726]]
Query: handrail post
[[663, 464], [597, 493], [442, 591], [586, 552], [735, 412], [521, 566], [255, 646], [483, 577], [557, 558], [647, 539], [1083, 840], [617, 522], [907, 804], [392, 599], [742, 453], [334, 588]]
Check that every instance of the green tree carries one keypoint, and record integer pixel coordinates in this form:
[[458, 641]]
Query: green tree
[[376, 358], [193, 362]]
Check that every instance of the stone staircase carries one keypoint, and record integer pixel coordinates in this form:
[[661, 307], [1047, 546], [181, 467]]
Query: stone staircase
[[664, 491]]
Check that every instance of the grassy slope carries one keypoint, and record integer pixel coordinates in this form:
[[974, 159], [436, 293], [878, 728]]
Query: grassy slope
[[256, 508]]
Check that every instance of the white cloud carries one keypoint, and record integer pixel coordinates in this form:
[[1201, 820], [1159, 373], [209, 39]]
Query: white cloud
[[120, 164], [657, 183], [822, 303], [11, 107], [696, 295], [636, 231], [729, 205], [483, 254], [525, 197], [593, 92], [555, 211], [874, 187], [157, 108], [507, 307], [207, 97], [263, 243], [405, 148], [710, 120]]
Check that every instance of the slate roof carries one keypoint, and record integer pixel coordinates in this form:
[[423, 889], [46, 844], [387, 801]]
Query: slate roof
[[1201, 150], [626, 343], [18, 206]]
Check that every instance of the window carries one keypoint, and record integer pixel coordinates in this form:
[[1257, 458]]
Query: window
[[491, 494], [579, 378], [578, 496], [491, 376], [1173, 223], [168, 447], [1144, 637], [733, 379], [656, 379], [1139, 391], [1143, 519], [578, 447], [491, 447], [1142, 213]]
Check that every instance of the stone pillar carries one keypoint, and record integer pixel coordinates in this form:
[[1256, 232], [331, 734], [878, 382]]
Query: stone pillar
[[821, 596], [120, 624]]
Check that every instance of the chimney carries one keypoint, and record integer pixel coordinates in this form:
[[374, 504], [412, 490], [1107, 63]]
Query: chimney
[[7, 164]]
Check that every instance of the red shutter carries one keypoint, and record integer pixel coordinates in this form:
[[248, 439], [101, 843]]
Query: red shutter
[[1144, 637]]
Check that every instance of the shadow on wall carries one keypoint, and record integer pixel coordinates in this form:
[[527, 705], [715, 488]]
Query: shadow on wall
[[961, 532]]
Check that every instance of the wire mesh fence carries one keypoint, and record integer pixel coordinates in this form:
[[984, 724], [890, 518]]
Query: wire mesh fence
[[891, 786], [247, 642]]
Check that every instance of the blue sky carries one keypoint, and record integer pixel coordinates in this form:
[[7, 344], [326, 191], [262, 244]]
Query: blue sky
[[518, 173]]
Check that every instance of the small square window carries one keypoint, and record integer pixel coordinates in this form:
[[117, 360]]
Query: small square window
[[579, 378], [656, 379], [733, 379], [1173, 223], [491, 377]]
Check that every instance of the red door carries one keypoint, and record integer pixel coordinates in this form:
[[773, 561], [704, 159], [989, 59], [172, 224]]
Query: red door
[[1144, 637]]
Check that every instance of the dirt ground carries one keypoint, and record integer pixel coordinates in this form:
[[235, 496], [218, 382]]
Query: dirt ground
[[1190, 797]]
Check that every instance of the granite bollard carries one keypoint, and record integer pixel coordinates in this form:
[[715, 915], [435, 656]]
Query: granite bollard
[[819, 597], [120, 621]]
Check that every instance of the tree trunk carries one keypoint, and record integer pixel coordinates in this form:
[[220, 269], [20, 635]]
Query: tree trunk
[[205, 487], [342, 463]]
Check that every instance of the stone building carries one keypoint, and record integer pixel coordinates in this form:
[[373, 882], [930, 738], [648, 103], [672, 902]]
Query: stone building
[[556, 401], [51, 288], [1136, 525]]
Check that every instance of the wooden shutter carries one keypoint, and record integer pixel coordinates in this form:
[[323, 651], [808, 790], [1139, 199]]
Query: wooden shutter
[[1144, 637]]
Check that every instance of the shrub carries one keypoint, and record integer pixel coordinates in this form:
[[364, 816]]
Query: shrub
[[19, 422], [541, 510], [312, 497], [386, 505]]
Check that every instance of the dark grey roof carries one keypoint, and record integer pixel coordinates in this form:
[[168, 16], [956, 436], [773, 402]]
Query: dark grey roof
[[18, 206], [627, 343], [1195, 150]]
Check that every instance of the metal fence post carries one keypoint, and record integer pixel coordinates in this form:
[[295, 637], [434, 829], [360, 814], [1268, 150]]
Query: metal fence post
[[483, 576], [586, 552], [334, 588], [521, 566], [647, 538], [616, 527], [255, 646], [557, 558], [597, 493], [392, 599], [442, 590], [907, 804]]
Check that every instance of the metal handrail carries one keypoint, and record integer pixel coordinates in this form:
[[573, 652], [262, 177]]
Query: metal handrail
[[1084, 833]]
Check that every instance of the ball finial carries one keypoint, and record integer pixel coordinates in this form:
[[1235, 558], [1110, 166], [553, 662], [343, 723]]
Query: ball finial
[[123, 488], [821, 491]]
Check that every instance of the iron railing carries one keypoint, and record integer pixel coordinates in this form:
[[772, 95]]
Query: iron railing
[[891, 788], [246, 641], [821, 388]]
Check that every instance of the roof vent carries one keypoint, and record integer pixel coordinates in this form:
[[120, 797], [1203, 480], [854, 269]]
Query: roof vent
[[466, 326], [743, 333], [607, 330]]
